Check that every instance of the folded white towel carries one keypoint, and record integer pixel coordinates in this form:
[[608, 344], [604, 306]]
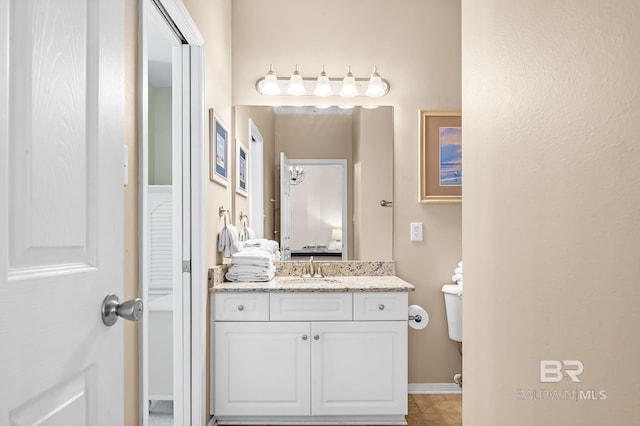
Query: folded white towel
[[228, 241], [241, 274], [253, 253], [456, 278], [262, 243], [458, 270], [460, 264]]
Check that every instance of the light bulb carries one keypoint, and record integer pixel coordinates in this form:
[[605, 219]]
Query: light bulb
[[296, 86], [349, 88], [376, 88], [270, 84], [323, 87]]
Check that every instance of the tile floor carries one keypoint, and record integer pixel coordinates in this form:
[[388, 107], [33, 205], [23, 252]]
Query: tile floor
[[161, 413], [435, 410], [424, 410]]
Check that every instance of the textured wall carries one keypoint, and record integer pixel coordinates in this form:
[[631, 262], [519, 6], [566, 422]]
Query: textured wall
[[551, 209]]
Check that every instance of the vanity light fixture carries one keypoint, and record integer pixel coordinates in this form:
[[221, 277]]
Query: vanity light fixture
[[296, 174], [323, 88], [296, 87], [323, 85]]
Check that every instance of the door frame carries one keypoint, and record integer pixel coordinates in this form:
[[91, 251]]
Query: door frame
[[195, 295], [256, 192]]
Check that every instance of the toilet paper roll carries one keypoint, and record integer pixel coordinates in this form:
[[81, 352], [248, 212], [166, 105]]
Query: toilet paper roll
[[418, 317]]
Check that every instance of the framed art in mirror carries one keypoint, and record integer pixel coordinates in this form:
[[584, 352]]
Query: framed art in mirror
[[440, 156], [218, 149], [242, 156]]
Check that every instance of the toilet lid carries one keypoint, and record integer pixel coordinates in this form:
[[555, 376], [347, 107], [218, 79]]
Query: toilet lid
[[452, 289]]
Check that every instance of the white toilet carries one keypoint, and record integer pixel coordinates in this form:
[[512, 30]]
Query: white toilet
[[453, 306]]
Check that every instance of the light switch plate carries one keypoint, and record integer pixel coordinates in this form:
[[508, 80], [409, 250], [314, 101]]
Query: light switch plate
[[416, 231]]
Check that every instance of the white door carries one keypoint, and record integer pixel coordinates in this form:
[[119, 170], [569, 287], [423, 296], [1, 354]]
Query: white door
[[285, 208], [61, 211], [262, 368], [359, 368]]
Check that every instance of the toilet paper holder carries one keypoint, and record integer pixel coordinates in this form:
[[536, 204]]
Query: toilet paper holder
[[416, 318]]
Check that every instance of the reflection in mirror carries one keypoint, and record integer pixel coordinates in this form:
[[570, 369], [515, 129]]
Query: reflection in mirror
[[363, 138], [161, 186], [318, 210]]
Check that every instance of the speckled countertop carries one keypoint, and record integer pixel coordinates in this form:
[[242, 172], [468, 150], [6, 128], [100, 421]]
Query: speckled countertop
[[350, 276], [388, 283]]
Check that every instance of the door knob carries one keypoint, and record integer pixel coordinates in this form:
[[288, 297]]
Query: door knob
[[112, 309]]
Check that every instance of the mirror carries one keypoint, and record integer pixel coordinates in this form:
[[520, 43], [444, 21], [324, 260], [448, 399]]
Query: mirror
[[360, 136], [161, 219]]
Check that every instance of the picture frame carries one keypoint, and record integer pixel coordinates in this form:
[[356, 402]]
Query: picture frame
[[242, 169], [440, 156], [219, 161]]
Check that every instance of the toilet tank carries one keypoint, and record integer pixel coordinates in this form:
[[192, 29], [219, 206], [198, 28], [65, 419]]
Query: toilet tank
[[453, 306]]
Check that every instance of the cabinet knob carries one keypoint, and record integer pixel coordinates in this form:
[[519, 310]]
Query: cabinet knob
[[305, 337], [381, 307], [316, 337], [241, 307]]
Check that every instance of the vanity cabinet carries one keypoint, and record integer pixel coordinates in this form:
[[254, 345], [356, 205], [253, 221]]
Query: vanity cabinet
[[312, 357]]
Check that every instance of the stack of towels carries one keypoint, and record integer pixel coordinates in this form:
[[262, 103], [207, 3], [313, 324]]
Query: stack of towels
[[457, 274], [254, 261]]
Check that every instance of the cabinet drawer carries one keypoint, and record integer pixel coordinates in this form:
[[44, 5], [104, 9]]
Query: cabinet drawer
[[241, 306], [311, 307], [380, 306]]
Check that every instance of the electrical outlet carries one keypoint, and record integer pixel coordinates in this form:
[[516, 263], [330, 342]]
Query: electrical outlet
[[416, 231]]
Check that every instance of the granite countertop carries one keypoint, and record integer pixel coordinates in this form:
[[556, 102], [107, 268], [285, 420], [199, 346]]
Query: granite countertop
[[384, 283]]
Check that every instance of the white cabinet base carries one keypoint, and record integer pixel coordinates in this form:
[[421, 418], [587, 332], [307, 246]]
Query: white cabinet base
[[308, 361], [315, 420]]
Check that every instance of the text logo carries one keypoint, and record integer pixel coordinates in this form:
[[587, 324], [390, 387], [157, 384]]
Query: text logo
[[552, 370]]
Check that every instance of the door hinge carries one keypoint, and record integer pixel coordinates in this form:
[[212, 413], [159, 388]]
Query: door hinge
[[186, 266]]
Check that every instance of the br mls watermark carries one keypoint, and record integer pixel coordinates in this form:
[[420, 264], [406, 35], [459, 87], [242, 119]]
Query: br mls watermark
[[556, 371]]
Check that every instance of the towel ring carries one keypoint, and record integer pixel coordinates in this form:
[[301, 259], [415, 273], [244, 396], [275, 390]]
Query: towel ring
[[221, 213]]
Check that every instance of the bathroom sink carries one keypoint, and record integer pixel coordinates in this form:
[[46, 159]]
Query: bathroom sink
[[310, 280]]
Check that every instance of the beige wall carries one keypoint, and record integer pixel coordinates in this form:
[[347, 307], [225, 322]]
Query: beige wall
[[264, 119], [373, 182], [551, 208], [420, 56], [213, 19]]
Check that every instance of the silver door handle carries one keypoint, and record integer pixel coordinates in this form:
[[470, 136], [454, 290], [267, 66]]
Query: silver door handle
[[385, 203], [112, 309]]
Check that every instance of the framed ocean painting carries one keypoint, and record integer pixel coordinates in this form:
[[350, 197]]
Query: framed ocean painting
[[440, 156]]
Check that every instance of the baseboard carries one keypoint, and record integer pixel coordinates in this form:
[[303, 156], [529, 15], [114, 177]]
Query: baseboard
[[435, 388]]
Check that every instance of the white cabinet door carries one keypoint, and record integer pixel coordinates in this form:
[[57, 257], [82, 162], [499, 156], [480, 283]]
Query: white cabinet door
[[262, 368], [359, 368]]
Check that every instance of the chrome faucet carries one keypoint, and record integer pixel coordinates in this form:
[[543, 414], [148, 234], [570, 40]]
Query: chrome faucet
[[311, 271]]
